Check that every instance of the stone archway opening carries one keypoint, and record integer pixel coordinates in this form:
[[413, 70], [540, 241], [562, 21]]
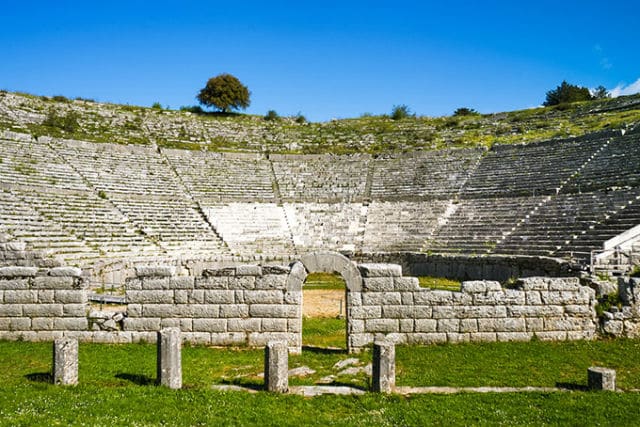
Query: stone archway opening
[[329, 263], [324, 322]]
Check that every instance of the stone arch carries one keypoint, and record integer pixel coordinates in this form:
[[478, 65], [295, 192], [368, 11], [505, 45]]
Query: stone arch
[[327, 262]]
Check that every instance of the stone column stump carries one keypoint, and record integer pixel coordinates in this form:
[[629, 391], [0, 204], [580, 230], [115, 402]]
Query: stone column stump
[[169, 361], [384, 367], [601, 378], [276, 367], [65, 361]]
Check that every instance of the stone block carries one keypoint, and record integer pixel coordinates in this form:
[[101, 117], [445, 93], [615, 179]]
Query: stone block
[[271, 282], [71, 324], [10, 310], [564, 284], [274, 325], [535, 311], [20, 324], [244, 325], [43, 310], [429, 297], [533, 284], [20, 296], [410, 284], [212, 296], [384, 367], [381, 298], [65, 361], [534, 324], [468, 325], [70, 297], [533, 298], [380, 270], [276, 366], [263, 297], [448, 325], [141, 324], [159, 310], [41, 324], [18, 271], [293, 297], [169, 359], [46, 282], [398, 312], [243, 282], [198, 338], [150, 297], [14, 284], [273, 310], [407, 325], [483, 337], [65, 272], [456, 338], [378, 284], [551, 335], [210, 325], [427, 338], [156, 283], [213, 282], [234, 310], [202, 310], [514, 336], [219, 272], [275, 270], [296, 277], [356, 341], [426, 325], [46, 296], [155, 271], [382, 325], [248, 270], [601, 378]]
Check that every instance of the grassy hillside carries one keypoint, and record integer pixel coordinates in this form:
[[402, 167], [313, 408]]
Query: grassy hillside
[[92, 121]]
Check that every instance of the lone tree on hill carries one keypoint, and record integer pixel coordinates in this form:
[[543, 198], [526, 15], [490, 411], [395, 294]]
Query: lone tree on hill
[[566, 93], [225, 92]]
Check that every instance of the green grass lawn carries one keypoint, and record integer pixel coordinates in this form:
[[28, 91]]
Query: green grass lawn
[[324, 281], [439, 283], [117, 385]]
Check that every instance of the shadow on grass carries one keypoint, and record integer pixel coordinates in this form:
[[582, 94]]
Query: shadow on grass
[[572, 386], [324, 350], [40, 377], [136, 378]]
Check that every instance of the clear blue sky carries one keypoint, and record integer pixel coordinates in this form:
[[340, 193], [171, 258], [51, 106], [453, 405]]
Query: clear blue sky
[[323, 59]]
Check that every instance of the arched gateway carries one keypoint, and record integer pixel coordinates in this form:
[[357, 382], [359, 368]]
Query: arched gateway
[[328, 262]]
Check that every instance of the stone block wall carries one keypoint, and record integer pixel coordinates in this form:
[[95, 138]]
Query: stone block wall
[[396, 308], [41, 304], [243, 305]]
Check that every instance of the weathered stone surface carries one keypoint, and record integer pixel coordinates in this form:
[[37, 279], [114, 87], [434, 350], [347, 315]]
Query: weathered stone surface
[[155, 271], [65, 272], [380, 270], [65, 361], [384, 367], [248, 270], [276, 367], [18, 271], [601, 378], [169, 359]]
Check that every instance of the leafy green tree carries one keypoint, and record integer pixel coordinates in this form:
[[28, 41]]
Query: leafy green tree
[[399, 112], [601, 92], [225, 92], [464, 111], [566, 93]]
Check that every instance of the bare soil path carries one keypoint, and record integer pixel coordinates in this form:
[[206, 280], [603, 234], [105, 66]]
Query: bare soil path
[[323, 302]]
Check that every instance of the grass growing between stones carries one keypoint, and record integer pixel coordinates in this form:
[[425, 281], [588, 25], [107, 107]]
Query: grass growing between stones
[[117, 387], [439, 283]]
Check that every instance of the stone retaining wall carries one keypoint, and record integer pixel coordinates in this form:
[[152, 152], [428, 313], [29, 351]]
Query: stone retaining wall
[[397, 309], [253, 304], [247, 304]]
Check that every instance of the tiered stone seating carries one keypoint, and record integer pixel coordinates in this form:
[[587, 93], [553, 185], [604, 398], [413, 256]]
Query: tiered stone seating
[[25, 224], [625, 217], [475, 225], [400, 225], [617, 165], [326, 226], [422, 175], [560, 220], [252, 228], [529, 170], [214, 178], [143, 186], [321, 178]]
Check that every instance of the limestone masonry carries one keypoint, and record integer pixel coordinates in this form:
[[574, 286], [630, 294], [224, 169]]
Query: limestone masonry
[[254, 304]]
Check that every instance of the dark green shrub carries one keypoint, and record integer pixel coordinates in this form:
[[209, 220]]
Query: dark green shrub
[[156, 106], [195, 109], [464, 111], [399, 112], [271, 115], [300, 118], [60, 98], [67, 123]]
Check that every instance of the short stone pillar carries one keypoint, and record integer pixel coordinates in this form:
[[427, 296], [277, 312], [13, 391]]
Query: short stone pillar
[[601, 378], [276, 367], [384, 367], [169, 361], [65, 361]]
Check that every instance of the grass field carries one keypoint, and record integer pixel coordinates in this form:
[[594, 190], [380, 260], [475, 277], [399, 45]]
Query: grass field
[[117, 385]]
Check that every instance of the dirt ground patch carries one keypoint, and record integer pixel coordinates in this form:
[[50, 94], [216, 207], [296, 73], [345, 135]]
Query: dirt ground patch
[[323, 302]]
